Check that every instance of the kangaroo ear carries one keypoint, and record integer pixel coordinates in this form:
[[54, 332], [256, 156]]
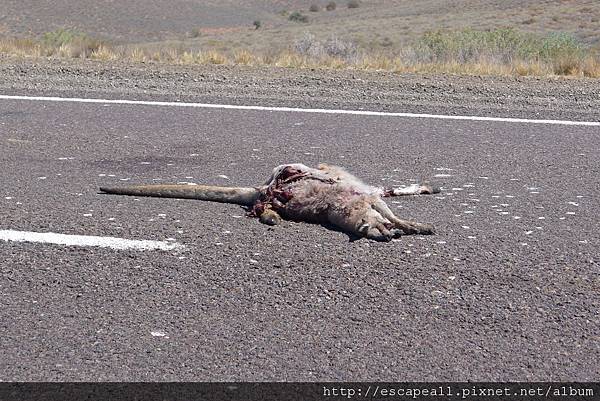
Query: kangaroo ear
[[323, 166]]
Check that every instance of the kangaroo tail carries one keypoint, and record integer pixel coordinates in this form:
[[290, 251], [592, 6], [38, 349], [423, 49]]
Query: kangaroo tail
[[237, 195]]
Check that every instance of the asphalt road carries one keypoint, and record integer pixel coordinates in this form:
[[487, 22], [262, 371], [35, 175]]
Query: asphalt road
[[508, 289]]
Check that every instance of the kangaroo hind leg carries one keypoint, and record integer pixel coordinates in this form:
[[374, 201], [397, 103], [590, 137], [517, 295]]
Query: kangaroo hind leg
[[407, 227], [376, 227]]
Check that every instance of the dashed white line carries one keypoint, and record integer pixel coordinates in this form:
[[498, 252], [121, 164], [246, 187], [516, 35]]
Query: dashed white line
[[87, 240], [297, 110]]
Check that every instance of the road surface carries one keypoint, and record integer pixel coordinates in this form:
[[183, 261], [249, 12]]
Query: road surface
[[508, 289]]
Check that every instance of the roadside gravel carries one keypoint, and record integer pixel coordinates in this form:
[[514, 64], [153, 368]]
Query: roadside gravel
[[527, 97]]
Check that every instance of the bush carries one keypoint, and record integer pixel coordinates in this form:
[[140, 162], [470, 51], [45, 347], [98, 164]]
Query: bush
[[330, 6], [194, 33], [353, 4], [297, 16], [561, 45], [335, 47], [313, 8], [500, 45], [257, 24], [71, 43], [308, 45], [61, 37]]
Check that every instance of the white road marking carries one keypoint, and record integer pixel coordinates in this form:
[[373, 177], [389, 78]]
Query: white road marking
[[297, 110], [87, 240]]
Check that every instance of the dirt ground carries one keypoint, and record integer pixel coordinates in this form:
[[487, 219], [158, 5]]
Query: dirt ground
[[227, 25]]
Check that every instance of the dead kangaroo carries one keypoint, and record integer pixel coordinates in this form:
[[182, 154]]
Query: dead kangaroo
[[328, 195]]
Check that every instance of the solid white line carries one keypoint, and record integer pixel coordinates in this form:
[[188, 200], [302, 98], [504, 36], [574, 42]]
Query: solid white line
[[299, 110], [87, 240]]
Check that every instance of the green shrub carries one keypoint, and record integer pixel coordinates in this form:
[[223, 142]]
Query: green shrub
[[313, 8], [331, 6], [61, 37], [353, 4], [501, 45], [72, 43], [297, 16]]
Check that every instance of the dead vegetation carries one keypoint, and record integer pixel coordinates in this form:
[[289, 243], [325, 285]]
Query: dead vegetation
[[493, 52]]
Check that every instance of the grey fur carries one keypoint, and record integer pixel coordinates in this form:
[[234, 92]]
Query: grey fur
[[326, 195]]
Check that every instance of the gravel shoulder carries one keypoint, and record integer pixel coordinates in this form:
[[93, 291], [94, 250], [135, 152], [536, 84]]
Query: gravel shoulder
[[527, 97]]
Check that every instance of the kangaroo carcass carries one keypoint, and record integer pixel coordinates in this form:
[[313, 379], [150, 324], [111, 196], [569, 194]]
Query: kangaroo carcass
[[327, 195]]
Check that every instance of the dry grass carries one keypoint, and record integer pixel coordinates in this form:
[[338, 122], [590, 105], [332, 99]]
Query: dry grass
[[472, 53]]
